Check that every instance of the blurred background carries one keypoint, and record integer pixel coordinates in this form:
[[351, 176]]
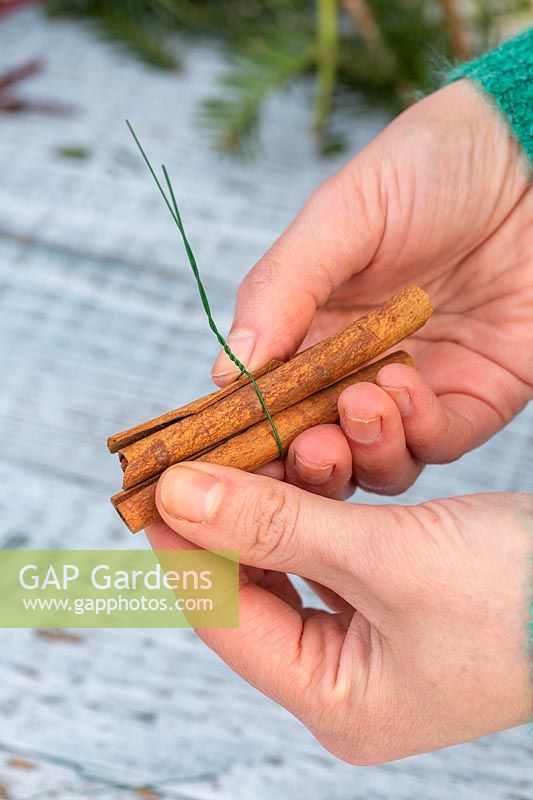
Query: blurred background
[[251, 104]]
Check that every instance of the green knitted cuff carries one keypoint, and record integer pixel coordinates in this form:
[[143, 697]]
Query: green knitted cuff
[[507, 75]]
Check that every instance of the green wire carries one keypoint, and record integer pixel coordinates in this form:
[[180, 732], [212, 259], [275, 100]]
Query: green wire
[[176, 216]]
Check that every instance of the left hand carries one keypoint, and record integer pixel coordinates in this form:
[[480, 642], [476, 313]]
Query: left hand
[[441, 198], [426, 643]]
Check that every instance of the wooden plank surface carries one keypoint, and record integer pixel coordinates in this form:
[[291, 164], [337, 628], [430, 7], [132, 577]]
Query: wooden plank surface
[[100, 327]]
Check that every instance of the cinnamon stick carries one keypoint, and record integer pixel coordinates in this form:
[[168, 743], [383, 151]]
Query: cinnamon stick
[[120, 440], [229, 412], [255, 446]]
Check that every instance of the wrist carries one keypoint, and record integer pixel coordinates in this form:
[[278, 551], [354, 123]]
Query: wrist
[[505, 76]]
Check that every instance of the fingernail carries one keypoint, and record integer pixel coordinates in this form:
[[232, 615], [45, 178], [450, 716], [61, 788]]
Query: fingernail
[[402, 397], [241, 343], [188, 493], [362, 431], [316, 474]]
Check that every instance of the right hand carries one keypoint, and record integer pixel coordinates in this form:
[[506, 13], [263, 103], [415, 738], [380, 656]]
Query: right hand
[[427, 641], [442, 199]]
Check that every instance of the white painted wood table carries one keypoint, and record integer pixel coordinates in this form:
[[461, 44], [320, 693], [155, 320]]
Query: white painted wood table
[[100, 327]]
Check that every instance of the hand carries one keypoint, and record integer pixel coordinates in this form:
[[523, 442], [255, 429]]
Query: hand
[[441, 198], [427, 643]]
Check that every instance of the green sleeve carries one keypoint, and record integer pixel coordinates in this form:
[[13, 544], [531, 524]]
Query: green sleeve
[[506, 74]]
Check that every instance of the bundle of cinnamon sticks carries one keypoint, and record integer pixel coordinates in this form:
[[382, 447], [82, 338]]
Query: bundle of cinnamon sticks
[[229, 426]]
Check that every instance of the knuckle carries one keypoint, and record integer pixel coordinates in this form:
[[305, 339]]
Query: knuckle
[[377, 485], [272, 523], [386, 484], [265, 276], [423, 437]]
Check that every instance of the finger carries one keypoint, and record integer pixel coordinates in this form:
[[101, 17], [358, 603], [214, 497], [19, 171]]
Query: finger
[[373, 426], [279, 584], [270, 621], [278, 643], [437, 429], [271, 524], [162, 537], [274, 469], [282, 650], [334, 236], [319, 460]]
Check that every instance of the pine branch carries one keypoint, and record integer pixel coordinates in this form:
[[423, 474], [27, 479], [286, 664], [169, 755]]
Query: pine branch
[[141, 39], [392, 50], [260, 69], [137, 25]]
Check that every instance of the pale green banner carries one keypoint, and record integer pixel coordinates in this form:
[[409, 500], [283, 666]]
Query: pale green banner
[[119, 589]]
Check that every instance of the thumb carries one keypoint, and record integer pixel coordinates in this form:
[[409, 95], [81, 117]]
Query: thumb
[[278, 647], [273, 647], [335, 236], [274, 526]]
